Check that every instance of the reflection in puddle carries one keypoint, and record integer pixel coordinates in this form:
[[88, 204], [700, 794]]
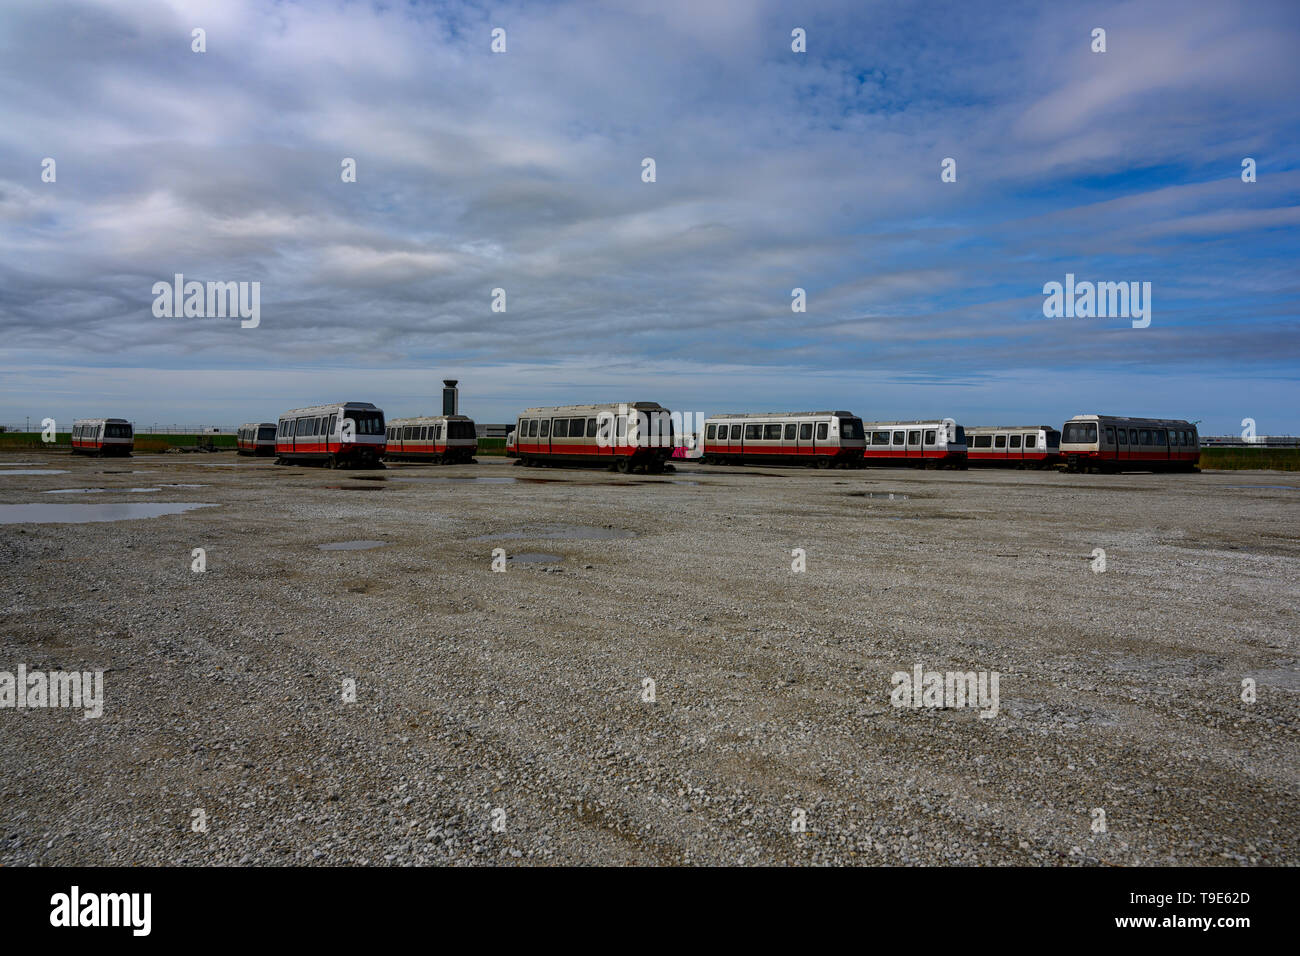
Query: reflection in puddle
[[34, 471], [534, 557], [82, 514], [568, 532], [351, 545]]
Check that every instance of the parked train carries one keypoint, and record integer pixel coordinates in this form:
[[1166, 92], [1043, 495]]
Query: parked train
[[345, 434], [629, 436], [819, 439], [1014, 446], [102, 437], [1097, 443], [441, 439], [928, 443], [255, 438]]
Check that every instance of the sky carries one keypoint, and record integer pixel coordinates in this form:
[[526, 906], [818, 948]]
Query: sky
[[774, 170]]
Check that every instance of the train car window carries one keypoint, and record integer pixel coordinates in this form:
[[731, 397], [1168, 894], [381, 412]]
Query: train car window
[[753, 431], [591, 428], [735, 433], [1144, 437], [1110, 435], [983, 441], [710, 432], [823, 429], [898, 438], [1159, 435], [1031, 441], [576, 427], [789, 431], [1001, 441], [561, 428], [771, 432], [805, 431], [914, 437], [930, 436], [850, 428], [329, 428], [544, 428], [1122, 436], [1132, 436], [1015, 441]]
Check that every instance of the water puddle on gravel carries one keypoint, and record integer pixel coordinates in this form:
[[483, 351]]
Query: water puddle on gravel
[[351, 545], [83, 514], [35, 471], [882, 495], [534, 557], [482, 480], [96, 491], [566, 532], [1269, 487]]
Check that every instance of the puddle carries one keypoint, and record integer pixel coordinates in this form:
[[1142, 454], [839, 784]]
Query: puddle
[[35, 471], [124, 472], [169, 485], [96, 491], [353, 488], [882, 495], [534, 557], [367, 478], [567, 532], [351, 545], [487, 481], [1270, 487], [82, 514]]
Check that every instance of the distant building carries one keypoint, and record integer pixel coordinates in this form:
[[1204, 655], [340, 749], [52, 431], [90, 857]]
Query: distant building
[[493, 431]]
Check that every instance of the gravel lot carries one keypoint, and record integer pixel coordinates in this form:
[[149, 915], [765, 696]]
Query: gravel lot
[[522, 691]]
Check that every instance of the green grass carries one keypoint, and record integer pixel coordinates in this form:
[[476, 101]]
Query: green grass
[[143, 442], [1239, 459], [491, 446]]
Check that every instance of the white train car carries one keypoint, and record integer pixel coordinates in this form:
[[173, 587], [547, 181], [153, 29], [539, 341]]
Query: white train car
[[1097, 443], [1013, 446], [819, 439], [255, 438], [628, 436], [344, 434], [927, 443], [440, 439], [103, 437]]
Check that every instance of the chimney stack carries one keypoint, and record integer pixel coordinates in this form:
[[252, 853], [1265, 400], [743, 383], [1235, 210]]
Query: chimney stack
[[450, 397]]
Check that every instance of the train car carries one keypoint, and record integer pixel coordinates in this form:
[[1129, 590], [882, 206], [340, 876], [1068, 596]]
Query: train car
[[345, 434], [1013, 446], [1096, 443], [932, 443], [510, 445], [103, 437], [816, 439], [629, 436], [440, 439], [255, 438]]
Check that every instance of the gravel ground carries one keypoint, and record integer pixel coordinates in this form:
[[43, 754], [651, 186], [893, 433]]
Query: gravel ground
[[520, 693]]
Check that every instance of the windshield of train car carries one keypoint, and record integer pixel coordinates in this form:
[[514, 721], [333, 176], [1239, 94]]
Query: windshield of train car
[[851, 428], [266, 433], [117, 431], [961, 436], [367, 423], [1053, 437], [1080, 433], [460, 430]]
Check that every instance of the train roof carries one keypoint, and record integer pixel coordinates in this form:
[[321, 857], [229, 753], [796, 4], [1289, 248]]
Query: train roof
[[418, 419], [920, 421], [1006, 428], [607, 406], [258, 425], [841, 414], [1123, 418], [316, 409], [87, 421]]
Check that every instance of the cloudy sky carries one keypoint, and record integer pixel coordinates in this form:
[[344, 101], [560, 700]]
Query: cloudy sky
[[522, 171]]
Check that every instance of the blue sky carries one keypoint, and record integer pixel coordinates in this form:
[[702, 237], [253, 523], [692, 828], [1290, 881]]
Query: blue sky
[[775, 170]]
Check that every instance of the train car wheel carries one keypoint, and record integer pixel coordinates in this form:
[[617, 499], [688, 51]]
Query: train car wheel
[[822, 461], [624, 466]]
